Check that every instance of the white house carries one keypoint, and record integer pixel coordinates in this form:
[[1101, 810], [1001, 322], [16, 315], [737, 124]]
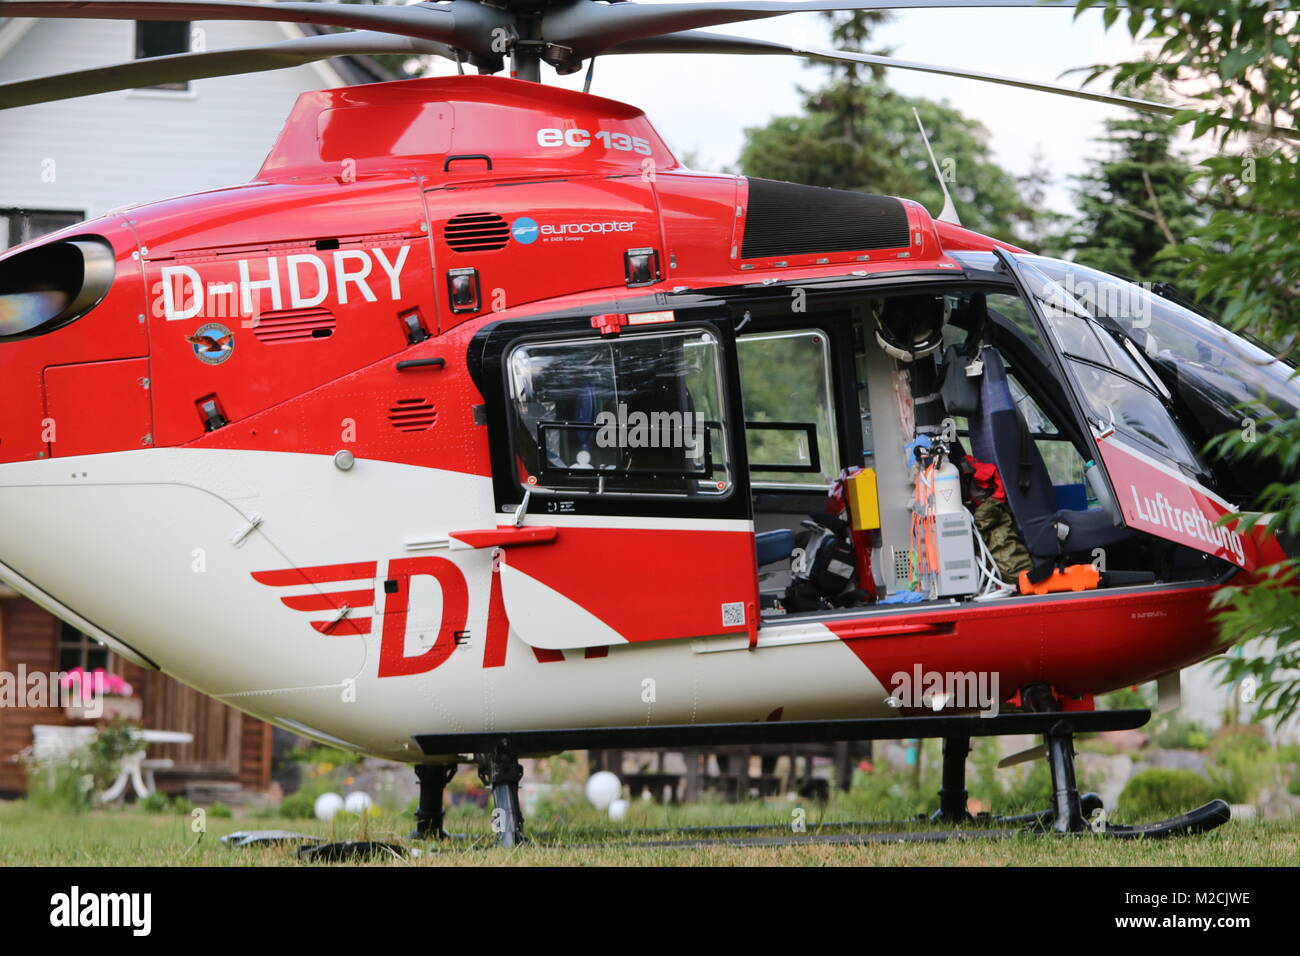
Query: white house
[[76, 159]]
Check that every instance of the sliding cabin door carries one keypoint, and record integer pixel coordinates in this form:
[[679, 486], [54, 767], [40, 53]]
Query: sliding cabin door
[[619, 468]]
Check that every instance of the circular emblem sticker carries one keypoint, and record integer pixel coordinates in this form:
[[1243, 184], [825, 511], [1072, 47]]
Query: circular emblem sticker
[[525, 230], [212, 343]]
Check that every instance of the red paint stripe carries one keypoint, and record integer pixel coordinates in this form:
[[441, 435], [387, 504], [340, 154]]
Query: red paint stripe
[[349, 625], [317, 575], [498, 626], [330, 601]]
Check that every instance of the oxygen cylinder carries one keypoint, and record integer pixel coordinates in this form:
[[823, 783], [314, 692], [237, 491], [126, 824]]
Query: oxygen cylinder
[[947, 489]]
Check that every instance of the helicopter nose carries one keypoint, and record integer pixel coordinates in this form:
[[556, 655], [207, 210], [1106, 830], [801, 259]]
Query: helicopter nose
[[71, 324]]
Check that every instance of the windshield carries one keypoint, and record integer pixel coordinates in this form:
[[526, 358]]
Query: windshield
[[1117, 391], [1212, 366]]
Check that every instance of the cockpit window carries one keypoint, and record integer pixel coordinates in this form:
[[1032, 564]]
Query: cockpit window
[[1214, 365], [1116, 391], [46, 287]]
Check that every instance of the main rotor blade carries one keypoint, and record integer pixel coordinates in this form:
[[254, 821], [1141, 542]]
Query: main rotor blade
[[461, 23], [697, 41], [588, 28], [179, 67]]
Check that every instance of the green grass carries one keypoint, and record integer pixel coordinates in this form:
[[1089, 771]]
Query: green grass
[[129, 837]]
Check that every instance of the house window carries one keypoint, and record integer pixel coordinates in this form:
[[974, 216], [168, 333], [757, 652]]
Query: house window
[[22, 225], [82, 650], [163, 39]]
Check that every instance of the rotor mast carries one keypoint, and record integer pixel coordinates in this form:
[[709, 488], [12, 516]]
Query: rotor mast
[[526, 50]]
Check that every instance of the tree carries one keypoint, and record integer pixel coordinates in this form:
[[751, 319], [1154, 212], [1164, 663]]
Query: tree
[[400, 66], [1041, 230], [886, 155], [1133, 204], [1238, 61], [857, 133]]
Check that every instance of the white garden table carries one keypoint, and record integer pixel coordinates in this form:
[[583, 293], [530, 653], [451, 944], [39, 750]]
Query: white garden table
[[136, 770]]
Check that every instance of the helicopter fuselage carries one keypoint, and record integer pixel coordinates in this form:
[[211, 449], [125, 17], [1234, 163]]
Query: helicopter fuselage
[[278, 454]]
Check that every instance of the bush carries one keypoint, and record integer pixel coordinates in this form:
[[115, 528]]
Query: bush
[[329, 757], [156, 802], [109, 747], [298, 806], [220, 810], [1160, 793], [62, 786], [1173, 733], [1244, 764]]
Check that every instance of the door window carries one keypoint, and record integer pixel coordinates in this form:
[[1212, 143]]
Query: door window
[[632, 415]]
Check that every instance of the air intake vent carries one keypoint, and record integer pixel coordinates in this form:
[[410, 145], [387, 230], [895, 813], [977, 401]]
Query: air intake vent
[[785, 219], [477, 232], [412, 415], [294, 325]]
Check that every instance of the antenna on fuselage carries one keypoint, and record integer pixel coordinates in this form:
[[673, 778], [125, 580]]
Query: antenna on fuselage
[[949, 213]]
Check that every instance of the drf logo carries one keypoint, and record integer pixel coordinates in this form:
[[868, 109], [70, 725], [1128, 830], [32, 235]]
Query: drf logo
[[347, 606]]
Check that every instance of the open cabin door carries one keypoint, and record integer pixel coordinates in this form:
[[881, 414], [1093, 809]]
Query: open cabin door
[[1152, 473], [619, 469]]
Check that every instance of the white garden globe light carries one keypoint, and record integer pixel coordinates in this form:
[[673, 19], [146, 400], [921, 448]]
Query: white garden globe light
[[328, 804], [603, 789], [358, 802]]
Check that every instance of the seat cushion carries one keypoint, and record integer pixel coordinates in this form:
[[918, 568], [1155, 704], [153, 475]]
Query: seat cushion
[[773, 546]]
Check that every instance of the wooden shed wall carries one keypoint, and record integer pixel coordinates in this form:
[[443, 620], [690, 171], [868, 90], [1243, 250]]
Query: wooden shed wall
[[227, 745]]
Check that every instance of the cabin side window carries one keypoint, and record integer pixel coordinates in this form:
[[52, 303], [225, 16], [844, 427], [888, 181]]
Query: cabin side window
[[786, 387], [629, 415]]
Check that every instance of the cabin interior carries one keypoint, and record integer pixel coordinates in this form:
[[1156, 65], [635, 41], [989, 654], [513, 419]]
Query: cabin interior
[[845, 374], [837, 390]]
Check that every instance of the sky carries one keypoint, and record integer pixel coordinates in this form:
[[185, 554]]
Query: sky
[[702, 104]]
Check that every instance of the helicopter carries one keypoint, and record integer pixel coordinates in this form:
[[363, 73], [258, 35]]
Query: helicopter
[[477, 426]]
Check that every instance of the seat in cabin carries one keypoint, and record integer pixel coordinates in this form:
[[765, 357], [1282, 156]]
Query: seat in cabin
[[774, 546], [1000, 436]]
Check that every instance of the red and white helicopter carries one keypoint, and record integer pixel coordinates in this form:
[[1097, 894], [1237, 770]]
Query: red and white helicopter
[[478, 425]]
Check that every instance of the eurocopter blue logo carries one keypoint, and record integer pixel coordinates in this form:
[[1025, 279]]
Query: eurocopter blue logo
[[524, 230]]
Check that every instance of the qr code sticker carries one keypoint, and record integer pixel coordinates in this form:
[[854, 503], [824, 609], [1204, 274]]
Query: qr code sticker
[[733, 614]]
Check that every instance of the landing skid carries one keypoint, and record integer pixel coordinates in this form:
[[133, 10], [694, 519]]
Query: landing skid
[[1071, 813]]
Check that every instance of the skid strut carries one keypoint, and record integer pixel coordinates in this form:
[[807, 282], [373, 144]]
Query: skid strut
[[500, 772], [433, 778], [952, 787]]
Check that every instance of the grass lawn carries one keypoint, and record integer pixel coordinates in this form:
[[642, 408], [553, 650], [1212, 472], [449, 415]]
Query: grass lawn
[[130, 837]]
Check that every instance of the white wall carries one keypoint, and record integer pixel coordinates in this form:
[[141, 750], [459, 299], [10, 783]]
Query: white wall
[[127, 147]]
